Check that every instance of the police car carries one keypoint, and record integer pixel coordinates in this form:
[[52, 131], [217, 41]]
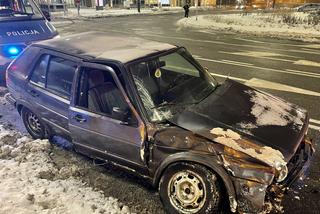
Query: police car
[[21, 23]]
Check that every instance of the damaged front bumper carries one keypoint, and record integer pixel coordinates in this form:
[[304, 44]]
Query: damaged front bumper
[[298, 166], [254, 196]]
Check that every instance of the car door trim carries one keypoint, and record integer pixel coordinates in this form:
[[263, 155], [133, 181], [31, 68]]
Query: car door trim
[[109, 154], [103, 135], [56, 125]]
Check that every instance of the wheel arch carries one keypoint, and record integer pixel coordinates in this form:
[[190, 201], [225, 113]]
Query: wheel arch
[[207, 162], [22, 104]]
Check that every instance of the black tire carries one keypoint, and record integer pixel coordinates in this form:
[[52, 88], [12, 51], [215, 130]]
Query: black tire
[[33, 124], [195, 180]]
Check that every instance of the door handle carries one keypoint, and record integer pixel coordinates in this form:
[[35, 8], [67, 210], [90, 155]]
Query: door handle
[[33, 93], [124, 123], [79, 118]]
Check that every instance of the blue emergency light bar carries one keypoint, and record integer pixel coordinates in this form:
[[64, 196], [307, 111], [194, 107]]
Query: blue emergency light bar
[[12, 51]]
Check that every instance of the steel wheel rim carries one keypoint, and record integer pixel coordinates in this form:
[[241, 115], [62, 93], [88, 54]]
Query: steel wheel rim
[[34, 123], [187, 192]]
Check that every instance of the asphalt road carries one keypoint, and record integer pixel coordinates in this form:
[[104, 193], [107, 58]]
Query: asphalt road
[[288, 69]]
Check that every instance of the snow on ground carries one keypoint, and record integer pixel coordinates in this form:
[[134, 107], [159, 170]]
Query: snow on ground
[[92, 13], [280, 24], [9, 113], [31, 182]]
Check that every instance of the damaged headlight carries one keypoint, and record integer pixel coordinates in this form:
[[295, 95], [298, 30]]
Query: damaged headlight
[[282, 171]]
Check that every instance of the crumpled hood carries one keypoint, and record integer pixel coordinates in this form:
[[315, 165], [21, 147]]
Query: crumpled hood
[[26, 31], [257, 117]]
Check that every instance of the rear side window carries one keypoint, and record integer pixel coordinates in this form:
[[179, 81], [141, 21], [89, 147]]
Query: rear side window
[[55, 74], [60, 76], [39, 72]]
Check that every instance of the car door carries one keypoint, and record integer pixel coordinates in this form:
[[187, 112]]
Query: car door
[[49, 89], [94, 119]]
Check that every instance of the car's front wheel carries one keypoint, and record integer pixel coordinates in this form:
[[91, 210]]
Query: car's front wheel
[[190, 188], [33, 124]]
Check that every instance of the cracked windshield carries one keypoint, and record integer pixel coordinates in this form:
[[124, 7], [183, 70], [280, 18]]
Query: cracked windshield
[[168, 83]]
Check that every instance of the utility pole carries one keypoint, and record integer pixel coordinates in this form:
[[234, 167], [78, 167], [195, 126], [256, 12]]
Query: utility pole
[[197, 2], [274, 4], [139, 5]]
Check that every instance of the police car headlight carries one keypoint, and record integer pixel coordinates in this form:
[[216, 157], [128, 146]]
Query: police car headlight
[[282, 171]]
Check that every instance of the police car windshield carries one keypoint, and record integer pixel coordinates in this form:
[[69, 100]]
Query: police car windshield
[[18, 8]]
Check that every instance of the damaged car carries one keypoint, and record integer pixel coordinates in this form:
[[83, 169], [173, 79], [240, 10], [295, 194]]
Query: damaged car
[[151, 108]]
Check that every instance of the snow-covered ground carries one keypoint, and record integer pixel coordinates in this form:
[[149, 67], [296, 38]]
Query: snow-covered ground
[[31, 183], [111, 12], [283, 25], [92, 13]]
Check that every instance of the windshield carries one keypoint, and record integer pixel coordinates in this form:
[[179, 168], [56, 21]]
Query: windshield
[[18, 8], [169, 83]]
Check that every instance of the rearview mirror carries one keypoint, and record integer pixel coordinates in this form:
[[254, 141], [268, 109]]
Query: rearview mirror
[[162, 64]]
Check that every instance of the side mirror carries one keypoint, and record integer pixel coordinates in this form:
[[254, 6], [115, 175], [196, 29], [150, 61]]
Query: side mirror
[[46, 14], [206, 69], [122, 115]]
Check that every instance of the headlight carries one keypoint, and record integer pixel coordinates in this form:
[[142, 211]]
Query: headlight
[[282, 171]]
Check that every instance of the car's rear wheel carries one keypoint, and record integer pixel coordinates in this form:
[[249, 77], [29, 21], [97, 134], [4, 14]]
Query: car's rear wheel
[[33, 124], [190, 188]]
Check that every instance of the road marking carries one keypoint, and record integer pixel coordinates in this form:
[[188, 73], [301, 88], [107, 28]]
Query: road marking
[[230, 77], [307, 74], [208, 32], [315, 46], [236, 62], [261, 55], [307, 62], [259, 83], [303, 72], [251, 40], [315, 121], [229, 44], [314, 127]]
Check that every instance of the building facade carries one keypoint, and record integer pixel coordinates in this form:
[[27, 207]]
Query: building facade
[[181, 3]]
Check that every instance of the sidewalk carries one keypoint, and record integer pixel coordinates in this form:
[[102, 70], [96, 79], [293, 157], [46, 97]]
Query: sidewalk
[[86, 13]]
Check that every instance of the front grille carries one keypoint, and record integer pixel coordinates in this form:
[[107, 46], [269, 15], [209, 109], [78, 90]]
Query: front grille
[[299, 163]]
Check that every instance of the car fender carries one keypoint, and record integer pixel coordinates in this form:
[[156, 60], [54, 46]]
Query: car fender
[[22, 103], [208, 162]]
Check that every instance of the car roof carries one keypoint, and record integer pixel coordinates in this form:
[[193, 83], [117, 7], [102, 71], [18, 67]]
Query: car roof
[[101, 46]]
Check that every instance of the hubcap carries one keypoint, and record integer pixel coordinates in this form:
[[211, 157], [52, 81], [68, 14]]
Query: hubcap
[[186, 191], [34, 123]]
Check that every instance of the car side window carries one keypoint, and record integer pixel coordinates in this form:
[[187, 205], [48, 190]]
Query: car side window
[[60, 75], [99, 93], [55, 74], [39, 72]]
